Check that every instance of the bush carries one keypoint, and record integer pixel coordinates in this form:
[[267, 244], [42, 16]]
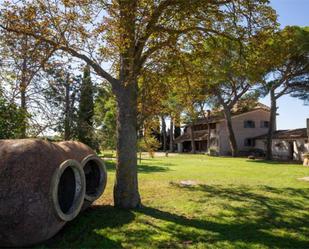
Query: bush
[[149, 144], [11, 118]]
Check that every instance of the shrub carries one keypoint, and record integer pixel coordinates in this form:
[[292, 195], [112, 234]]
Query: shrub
[[11, 118]]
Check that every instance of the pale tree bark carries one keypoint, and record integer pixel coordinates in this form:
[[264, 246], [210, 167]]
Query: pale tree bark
[[232, 138], [171, 135], [283, 88], [228, 121]]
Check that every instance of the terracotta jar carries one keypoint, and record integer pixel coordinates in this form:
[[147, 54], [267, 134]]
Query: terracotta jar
[[94, 169], [40, 190]]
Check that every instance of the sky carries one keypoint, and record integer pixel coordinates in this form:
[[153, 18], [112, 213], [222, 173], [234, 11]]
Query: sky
[[292, 112]]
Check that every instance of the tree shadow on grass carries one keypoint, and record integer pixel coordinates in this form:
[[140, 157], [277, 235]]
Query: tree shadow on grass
[[82, 231], [274, 162], [250, 232], [259, 211], [142, 168], [264, 211]]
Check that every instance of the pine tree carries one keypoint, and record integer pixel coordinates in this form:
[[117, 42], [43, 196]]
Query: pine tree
[[85, 131], [105, 117], [62, 96]]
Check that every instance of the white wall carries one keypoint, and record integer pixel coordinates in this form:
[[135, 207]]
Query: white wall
[[282, 151]]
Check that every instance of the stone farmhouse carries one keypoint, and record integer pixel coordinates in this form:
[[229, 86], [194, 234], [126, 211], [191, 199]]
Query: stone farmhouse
[[250, 128]]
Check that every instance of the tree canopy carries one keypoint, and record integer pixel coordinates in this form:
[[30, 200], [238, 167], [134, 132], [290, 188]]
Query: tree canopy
[[130, 35]]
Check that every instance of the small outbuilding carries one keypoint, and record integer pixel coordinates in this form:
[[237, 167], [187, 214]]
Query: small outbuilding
[[287, 144]]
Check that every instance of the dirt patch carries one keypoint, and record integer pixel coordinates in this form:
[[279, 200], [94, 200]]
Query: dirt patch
[[304, 179], [185, 183]]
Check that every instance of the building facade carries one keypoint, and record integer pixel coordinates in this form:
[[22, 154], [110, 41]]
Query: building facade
[[250, 128], [246, 125]]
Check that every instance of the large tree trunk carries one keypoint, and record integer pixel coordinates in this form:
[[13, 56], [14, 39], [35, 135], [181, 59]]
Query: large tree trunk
[[172, 135], [272, 125], [232, 139], [193, 149], [164, 133], [126, 193]]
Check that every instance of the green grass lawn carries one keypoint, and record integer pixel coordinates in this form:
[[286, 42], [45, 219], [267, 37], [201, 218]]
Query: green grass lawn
[[236, 204]]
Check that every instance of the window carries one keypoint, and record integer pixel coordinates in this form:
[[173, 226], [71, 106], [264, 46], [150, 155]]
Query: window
[[264, 124], [249, 142], [249, 124]]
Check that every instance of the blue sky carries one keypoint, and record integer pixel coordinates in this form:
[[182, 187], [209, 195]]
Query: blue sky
[[292, 112]]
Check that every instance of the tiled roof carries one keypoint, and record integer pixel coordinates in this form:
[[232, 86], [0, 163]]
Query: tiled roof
[[287, 134], [212, 119], [219, 115]]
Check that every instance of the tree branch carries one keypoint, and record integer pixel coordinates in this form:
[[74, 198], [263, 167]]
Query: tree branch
[[96, 67]]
